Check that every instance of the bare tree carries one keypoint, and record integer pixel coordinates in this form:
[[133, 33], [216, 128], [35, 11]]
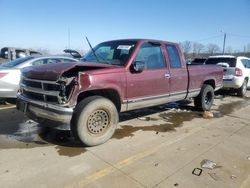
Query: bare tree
[[186, 46], [229, 50], [197, 47], [248, 47], [43, 51], [212, 49]]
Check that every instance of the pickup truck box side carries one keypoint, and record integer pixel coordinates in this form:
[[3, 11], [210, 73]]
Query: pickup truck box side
[[116, 76]]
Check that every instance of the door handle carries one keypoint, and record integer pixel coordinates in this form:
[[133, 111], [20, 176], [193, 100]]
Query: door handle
[[167, 76]]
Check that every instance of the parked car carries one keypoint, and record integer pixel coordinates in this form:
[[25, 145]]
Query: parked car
[[196, 61], [10, 72], [236, 72], [117, 76], [11, 53]]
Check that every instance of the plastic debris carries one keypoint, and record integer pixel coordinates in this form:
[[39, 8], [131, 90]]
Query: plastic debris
[[207, 114], [248, 158], [197, 171], [144, 118], [233, 176], [208, 164]]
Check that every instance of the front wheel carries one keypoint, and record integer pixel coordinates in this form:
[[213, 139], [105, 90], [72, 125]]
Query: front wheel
[[204, 101], [94, 120]]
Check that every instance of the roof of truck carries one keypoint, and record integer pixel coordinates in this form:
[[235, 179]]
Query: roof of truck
[[141, 39], [221, 56]]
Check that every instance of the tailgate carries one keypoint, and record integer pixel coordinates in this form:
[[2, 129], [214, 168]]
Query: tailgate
[[228, 73]]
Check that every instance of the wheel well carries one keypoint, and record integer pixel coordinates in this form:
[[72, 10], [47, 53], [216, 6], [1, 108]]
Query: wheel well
[[210, 82], [110, 94]]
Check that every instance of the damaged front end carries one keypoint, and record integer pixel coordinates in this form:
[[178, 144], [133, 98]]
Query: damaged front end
[[49, 93], [52, 92], [47, 102]]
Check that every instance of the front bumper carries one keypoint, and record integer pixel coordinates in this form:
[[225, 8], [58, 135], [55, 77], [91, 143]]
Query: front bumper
[[40, 111]]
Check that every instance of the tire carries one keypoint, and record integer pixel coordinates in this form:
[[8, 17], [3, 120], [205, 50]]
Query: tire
[[204, 101], [94, 120], [243, 89]]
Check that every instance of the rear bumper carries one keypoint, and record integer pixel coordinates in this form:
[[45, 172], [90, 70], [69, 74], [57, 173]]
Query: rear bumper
[[8, 90], [235, 83], [40, 111]]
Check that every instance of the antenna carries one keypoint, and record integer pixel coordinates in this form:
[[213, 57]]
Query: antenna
[[92, 49]]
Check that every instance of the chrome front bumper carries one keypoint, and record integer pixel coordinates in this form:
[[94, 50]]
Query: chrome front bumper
[[38, 110]]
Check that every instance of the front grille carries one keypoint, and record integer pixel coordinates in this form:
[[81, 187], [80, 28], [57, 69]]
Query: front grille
[[41, 90]]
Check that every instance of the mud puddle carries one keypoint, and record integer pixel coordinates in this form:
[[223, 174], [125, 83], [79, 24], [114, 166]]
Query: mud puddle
[[228, 108], [29, 134], [172, 121]]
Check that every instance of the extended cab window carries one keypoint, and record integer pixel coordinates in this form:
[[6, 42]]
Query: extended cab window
[[174, 58], [151, 54]]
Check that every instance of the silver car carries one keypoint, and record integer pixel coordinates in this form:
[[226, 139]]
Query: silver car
[[10, 72]]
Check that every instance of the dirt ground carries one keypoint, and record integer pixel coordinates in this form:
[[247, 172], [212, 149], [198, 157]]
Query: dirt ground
[[154, 147]]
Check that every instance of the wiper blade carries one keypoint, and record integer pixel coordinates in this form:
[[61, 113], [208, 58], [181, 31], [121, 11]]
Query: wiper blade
[[92, 49]]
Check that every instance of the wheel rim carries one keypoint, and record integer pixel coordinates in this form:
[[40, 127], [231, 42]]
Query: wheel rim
[[98, 122], [208, 98]]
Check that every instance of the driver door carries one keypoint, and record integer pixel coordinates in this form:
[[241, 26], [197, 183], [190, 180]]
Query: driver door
[[151, 86]]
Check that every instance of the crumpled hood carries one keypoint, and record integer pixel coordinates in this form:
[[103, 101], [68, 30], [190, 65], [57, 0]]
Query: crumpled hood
[[52, 72]]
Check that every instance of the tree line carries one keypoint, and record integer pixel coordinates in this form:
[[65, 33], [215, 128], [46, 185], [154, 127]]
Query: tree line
[[193, 50]]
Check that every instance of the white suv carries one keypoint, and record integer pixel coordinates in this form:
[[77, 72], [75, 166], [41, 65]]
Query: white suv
[[236, 72]]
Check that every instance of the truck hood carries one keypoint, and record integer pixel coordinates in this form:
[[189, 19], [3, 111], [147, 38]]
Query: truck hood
[[54, 71]]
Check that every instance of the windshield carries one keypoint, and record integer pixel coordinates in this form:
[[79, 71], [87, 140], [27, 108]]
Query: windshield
[[213, 61], [16, 62], [113, 52]]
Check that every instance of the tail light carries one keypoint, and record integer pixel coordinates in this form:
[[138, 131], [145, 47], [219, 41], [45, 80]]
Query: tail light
[[2, 74], [238, 72]]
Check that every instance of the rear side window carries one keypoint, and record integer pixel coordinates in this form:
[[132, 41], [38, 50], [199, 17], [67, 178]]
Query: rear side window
[[213, 61], [174, 58], [246, 63], [69, 61]]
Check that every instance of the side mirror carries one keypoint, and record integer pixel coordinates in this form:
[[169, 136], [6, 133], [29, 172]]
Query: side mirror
[[138, 66]]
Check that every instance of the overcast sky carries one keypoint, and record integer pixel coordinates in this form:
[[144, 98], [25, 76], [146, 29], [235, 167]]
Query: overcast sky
[[46, 23]]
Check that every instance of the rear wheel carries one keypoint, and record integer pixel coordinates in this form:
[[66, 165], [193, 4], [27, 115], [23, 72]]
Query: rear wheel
[[243, 89], [204, 101], [94, 120]]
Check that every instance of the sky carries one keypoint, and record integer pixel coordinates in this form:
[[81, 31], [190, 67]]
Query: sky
[[47, 24]]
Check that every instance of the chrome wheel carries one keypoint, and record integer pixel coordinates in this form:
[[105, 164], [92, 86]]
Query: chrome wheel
[[98, 122]]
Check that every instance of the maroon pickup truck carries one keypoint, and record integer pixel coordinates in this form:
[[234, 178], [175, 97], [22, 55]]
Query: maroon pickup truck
[[115, 76]]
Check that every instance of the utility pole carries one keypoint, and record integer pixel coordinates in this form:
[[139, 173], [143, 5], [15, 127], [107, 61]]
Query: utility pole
[[224, 42]]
